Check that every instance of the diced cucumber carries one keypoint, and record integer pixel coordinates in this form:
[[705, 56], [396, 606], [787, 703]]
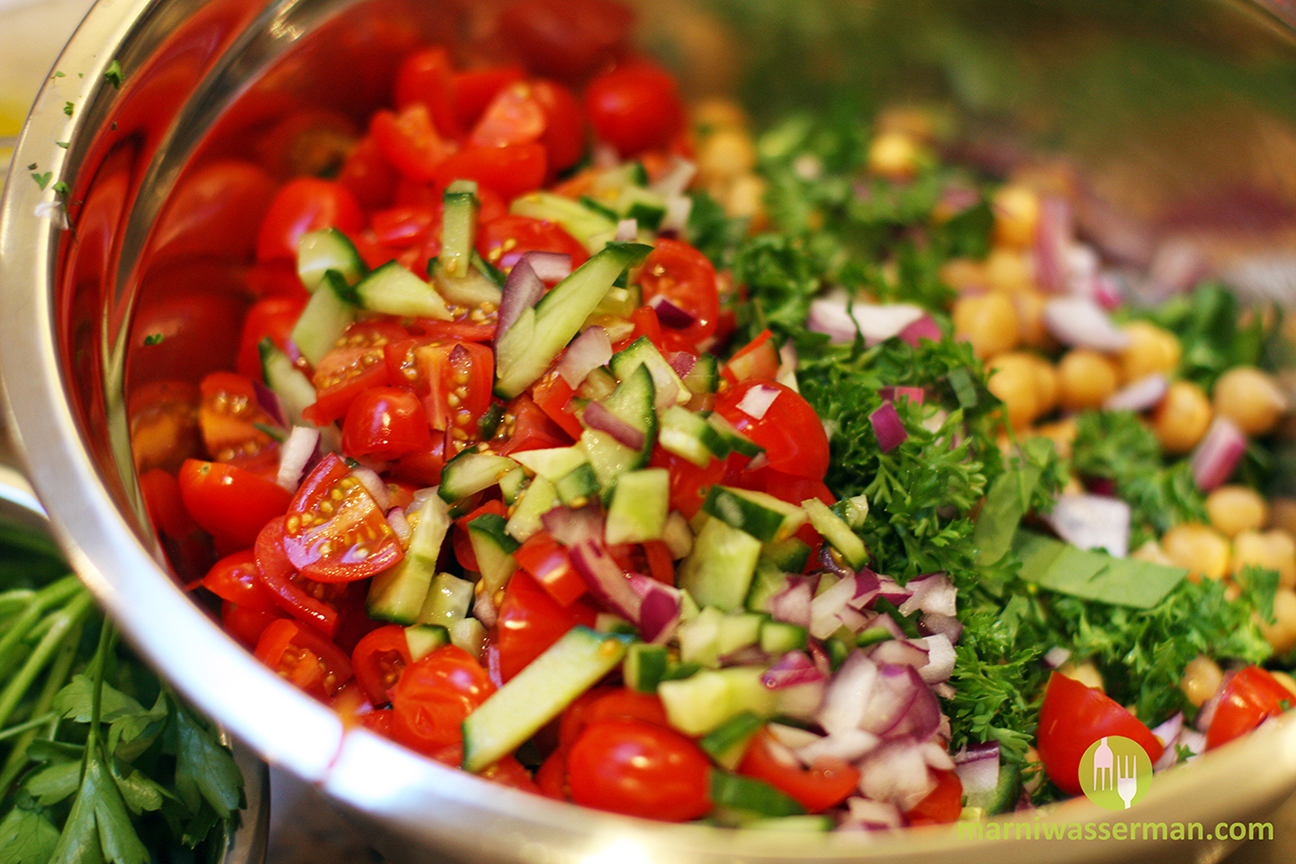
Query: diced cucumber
[[701, 702], [552, 463], [472, 289], [539, 693], [537, 499], [712, 635], [633, 402], [290, 384], [780, 637], [704, 377], [470, 635], [738, 442], [608, 456], [727, 743], [394, 290], [1002, 797], [512, 484], [324, 319], [578, 486], [637, 511], [398, 593], [757, 513], [688, 435], [580, 221], [598, 385], [835, 530], [470, 472], [458, 228], [740, 794], [448, 599], [524, 352], [643, 352], [645, 666], [324, 250], [768, 580], [494, 549], [423, 639], [790, 554], [718, 570]]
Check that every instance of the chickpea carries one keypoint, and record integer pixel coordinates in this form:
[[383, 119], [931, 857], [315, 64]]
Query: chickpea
[[1048, 388], [1282, 514], [1015, 378], [744, 198], [1281, 635], [724, 154], [717, 113], [1030, 319], [1086, 673], [1273, 549], [1202, 677], [988, 321], [1151, 551], [895, 154], [1182, 417], [964, 275], [1009, 270], [1151, 349], [1199, 549], [1016, 210], [1086, 379], [1250, 398], [1233, 508]]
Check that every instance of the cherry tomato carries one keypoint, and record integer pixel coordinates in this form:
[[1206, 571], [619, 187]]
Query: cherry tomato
[[639, 769], [475, 88], [246, 625], [682, 275], [943, 805], [634, 107], [758, 360], [514, 116], [302, 205], [689, 483], [566, 39], [368, 175], [508, 171], [526, 427], [165, 505], [553, 395], [788, 428], [233, 423], [530, 621], [334, 531], [308, 142], [824, 784], [1072, 718], [608, 702], [378, 660], [385, 423], [462, 541], [237, 578], [406, 224], [549, 564], [503, 240], [433, 696], [1250, 697], [564, 135], [357, 363], [303, 658], [410, 141], [230, 503], [315, 603], [272, 318], [426, 77]]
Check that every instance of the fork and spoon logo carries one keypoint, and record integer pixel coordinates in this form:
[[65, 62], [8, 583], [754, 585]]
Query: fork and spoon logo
[[1115, 772]]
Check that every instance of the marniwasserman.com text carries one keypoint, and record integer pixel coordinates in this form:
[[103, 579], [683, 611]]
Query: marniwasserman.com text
[[1050, 830]]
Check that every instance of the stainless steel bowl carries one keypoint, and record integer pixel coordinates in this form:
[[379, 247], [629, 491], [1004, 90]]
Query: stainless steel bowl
[[1181, 111]]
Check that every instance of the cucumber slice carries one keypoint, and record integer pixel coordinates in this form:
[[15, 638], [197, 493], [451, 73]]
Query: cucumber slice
[[458, 228], [538, 694], [398, 593], [423, 639], [757, 513], [537, 499], [740, 794], [470, 635], [578, 486], [835, 530], [780, 637], [718, 570], [448, 600], [326, 316], [727, 743], [552, 463], [633, 401], [470, 472], [666, 380], [524, 352], [394, 290], [701, 702], [324, 250], [640, 502], [580, 221], [688, 435], [290, 384], [472, 289], [494, 549], [645, 666]]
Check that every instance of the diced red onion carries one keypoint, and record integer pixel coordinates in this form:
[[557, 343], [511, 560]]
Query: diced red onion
[[833, 563], [913, 394], [940, 658], [399, 525], [948, 626], [574, 526], [659, 610], [605, 579], [902, 705], [1081, 322], [677, 178], [678, 210], [757, 400], [671, 315], [899, 652], [793, 668], [1106, 290], [268, 401], [1169, 731], [682, 362], [867, 587], [522, 289], [587, 352], [933, 592], [627, 230], [888, 427], [896, 771], [1218, 453], [484, 610], [598, 416], [892, 591], [830, 610], [923, 328], [848, 745], [550, 267], [792, 604], [1092, 522], [792, 738], [844, 702], [880, 321], [295, 454], [374, 485], [978, 770], [1056, 656], [870, 815], [1139, 395], [1053, 234], [1178, 265]]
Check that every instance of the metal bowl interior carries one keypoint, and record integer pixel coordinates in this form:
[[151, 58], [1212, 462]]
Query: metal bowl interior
[[1181, 112]]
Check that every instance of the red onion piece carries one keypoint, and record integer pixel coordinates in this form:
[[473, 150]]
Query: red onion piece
[[891, 591], [978, 769], [484, 610], [757, 400], [896, 771], [899, 652], [269, 402], [792, 604], [880, 321], [1056, 656], [948, 626], [682, 362], [627, 230], [296, 453], [940, 658], [870, 815], [1218, 453], [1170, 729], [598, 416], [793, 668], [1139, 395], [574, 526], [867, 586], [933, 592], [913, 394], [606, 580], [1081, 322], [902, 705], [399, 525], [374, 485], [923, 328], [829, 316], [550, 267], [522, 289], [848, 745], [1092, 522], [830, 610], [1207, 712], [888, 427], [1053, 233], [587, 352], [659, 611], [678, 210], [671, 315], [844, 702]]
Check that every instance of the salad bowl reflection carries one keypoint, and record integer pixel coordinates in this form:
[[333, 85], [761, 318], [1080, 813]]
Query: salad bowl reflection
[[165, 97]]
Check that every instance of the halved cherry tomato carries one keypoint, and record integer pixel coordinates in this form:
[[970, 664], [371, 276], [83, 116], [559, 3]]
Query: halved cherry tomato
[[315, 603], [385, 423], [639, 769], [608, 702], [1072, 718], [368, 175], [509, 170], [230, 503], [459, 376], [234, 425], [272, 318], [942, 805], [689, 483], [305, 659], [334, 531], [757, 360], [405, 225], [357, 363], [302, 205], [246, 625], [553, 395], [549, 564], [567, 39], [564, 135], [779, 419], [165, 505], [503, 240], [530, 621], [410, 141], [427, 77], [378, 660], [526, 427], [433, 696], [1251, 696], [680, 274], [824, 784], [635, 107], [475, 88], [514, 116], [237, 578]]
